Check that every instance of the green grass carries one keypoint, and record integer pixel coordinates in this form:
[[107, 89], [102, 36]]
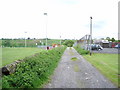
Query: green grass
[[81, 50], [11, 54], [0, 56], [107, 64], [73, 58], [0, 66], [35, 71]]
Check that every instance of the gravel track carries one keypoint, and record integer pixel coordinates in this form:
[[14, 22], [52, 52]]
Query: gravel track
[[77, 73]]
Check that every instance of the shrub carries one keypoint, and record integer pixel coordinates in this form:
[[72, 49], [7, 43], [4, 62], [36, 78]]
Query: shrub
[[34, 71], [81, 51], [69, 43]]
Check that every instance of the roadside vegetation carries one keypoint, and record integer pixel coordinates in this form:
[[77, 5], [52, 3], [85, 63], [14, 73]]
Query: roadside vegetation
[[9, 55], [34, 71], [0, 66], [0, 57], [107, 64], [80, 50], [69, 43]]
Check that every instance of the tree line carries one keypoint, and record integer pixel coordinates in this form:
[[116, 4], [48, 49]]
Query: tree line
[[110, 39]]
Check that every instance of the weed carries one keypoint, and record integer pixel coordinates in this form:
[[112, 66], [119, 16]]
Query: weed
[[74, 59]]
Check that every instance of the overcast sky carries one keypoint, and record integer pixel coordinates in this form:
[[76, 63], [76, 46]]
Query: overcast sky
[[66, 18]]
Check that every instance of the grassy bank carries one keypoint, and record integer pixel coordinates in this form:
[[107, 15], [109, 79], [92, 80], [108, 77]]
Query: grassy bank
[[107, 64], [35, 71], [80, 50], [0, 66], [0, 57], [11, 54]]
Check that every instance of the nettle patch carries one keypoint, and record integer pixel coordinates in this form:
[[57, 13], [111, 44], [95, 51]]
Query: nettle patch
[[34, 71]]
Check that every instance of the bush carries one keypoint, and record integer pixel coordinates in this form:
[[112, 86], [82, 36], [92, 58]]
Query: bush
[[69, 43], [34, 71], [81, 51]]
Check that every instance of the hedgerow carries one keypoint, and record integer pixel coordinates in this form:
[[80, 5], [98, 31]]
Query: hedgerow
[[34, 71], [81, 51]]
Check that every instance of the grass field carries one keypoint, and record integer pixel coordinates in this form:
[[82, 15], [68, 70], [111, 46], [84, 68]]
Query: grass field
[[106, 64], [11, 54]]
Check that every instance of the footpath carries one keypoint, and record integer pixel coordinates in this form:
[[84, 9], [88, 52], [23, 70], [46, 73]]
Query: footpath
[[74, 71]]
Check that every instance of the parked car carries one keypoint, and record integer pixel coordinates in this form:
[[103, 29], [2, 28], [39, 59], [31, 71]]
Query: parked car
[[117, 46], [96, 47]]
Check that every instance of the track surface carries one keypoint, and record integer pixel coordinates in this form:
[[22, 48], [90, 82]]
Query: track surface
[[77, 73]]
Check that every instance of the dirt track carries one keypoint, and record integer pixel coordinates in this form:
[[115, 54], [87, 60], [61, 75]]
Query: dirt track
[[77, 73]]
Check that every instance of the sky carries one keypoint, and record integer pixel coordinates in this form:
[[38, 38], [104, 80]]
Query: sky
[[69, 19]]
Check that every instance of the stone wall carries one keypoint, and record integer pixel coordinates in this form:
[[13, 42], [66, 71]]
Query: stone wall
[[10, 68]]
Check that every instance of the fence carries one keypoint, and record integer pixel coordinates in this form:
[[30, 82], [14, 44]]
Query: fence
[[84, 42]]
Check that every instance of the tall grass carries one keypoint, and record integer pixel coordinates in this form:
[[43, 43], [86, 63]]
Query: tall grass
[[80, 50]]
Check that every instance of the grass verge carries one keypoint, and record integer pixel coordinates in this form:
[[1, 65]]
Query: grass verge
[[0, 66], [34, 71], [80, 50], [107, 64]]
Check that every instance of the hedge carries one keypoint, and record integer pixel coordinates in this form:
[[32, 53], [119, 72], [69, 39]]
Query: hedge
[[34, 71]]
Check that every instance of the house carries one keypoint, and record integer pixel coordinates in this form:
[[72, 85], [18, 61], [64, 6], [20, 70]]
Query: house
[[104, 43]]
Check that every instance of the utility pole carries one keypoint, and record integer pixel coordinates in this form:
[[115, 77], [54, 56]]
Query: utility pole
[[91, 35], [60, 40], [46, 29], [25, 40]]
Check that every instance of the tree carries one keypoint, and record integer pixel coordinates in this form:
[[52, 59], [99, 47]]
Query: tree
[[6, 43], [44, 44], [112, 39], [28, 38], [69, 43], [108, 38]]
